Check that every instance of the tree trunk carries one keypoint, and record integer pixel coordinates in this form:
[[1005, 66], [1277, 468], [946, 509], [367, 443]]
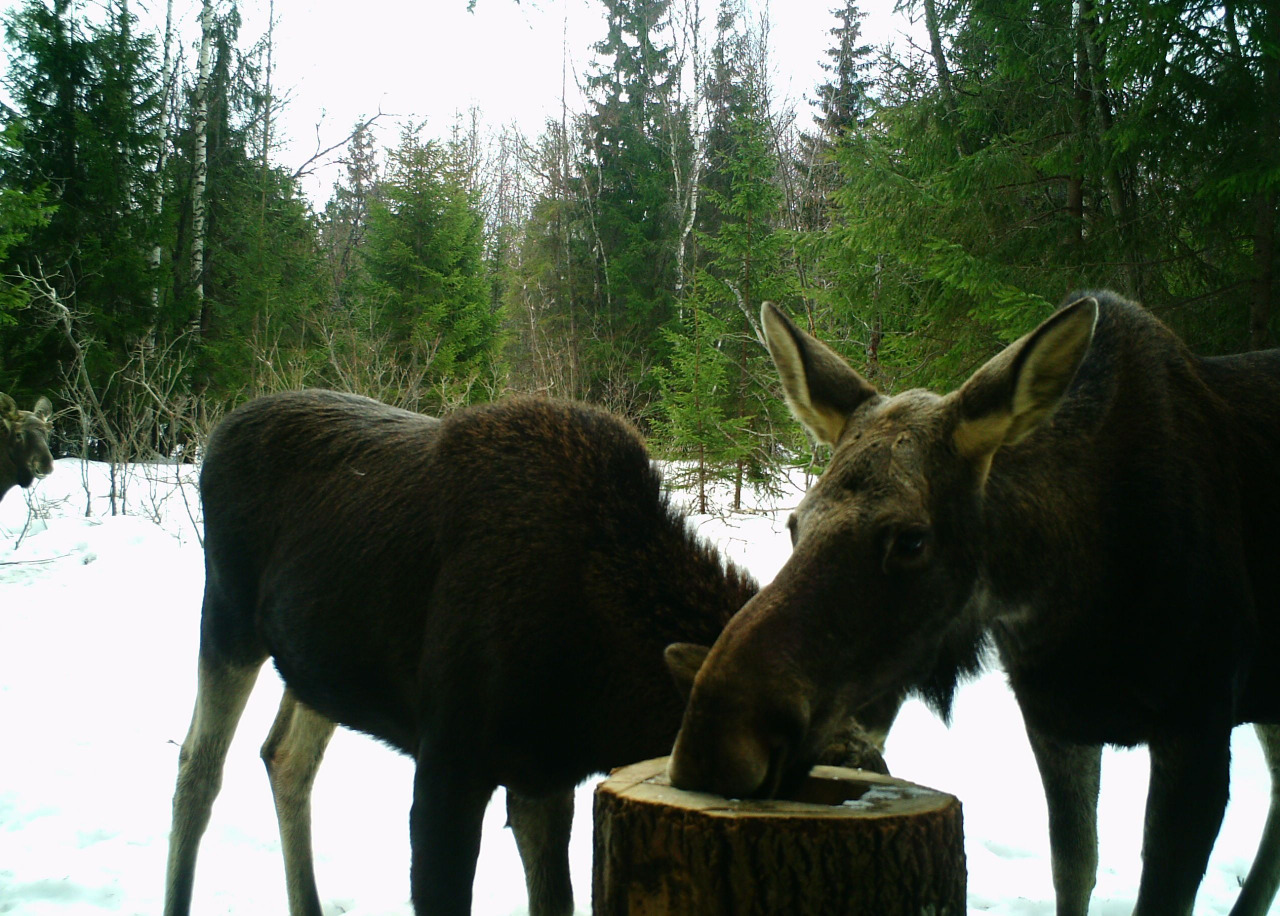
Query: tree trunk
[[201, 164], [853, 842], [1117, 193], [157, 204], [1079, 117], [944, 76], [1264, 233]]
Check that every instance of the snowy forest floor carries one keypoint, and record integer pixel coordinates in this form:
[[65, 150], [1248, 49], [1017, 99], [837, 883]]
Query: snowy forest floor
[[99, 621]]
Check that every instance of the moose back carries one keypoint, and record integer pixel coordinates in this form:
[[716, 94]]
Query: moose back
[[1096, 500]]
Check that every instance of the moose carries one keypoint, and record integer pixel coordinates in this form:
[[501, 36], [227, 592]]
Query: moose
[[1098, 503], [490, 593], [24, 443]]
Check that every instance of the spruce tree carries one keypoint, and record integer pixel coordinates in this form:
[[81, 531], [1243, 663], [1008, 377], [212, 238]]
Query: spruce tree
[[632, 131], [85, 98], [425, 261], [717, 408]]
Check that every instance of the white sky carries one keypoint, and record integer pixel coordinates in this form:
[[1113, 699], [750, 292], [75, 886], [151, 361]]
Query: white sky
[[340, 61]]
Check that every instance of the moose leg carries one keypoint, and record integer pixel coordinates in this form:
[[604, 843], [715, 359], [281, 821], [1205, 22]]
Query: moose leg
[[1264, 875], [1185, 803], [292, 753], [221, 693], [542, 826], [444, 833], [1070, 774]]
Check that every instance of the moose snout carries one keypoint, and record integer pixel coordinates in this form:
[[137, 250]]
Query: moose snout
[[747, 750]]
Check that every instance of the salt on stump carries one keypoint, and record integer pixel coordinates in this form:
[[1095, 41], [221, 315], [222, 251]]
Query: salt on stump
[[845, 842]]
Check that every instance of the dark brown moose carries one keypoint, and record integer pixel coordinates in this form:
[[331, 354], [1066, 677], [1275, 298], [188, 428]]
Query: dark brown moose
[[1101, 504], [24, 443], [490, 594]]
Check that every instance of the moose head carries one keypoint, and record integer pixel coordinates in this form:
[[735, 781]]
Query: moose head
[[24, 443], [881, 592]]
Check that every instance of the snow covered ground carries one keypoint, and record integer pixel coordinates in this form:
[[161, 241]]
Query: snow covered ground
[[98, 632]]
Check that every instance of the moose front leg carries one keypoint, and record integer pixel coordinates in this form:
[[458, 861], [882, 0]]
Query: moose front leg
[[444, 835], [1185, 803], [541, 827], [1070, 774]]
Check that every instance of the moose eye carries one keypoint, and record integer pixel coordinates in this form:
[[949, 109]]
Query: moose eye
[[907, 548]]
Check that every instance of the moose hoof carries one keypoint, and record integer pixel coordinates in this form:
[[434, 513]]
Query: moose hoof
[[847, 842]]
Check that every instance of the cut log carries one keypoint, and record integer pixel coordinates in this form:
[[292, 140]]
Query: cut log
[[847, 842]]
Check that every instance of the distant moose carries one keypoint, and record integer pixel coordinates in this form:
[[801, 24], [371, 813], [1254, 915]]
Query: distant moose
[[1102, 505], [24, 443], [490, 594]]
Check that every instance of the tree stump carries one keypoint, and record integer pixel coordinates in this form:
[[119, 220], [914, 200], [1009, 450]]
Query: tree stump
[[847, 842]]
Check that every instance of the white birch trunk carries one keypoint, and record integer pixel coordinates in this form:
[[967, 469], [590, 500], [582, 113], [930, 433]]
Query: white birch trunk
[[201, 162], [162, 157]]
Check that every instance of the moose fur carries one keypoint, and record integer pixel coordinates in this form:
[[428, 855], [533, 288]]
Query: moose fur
[[490, 594], [24, 443], [1096, 501]]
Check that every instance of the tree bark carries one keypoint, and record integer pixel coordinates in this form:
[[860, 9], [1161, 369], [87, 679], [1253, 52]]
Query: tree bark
[[1264, 234], [944, 76], [854, 843], [162, 157], [1117, 193], [201, 164]]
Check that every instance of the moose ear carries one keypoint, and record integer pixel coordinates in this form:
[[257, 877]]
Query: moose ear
[[685, 660], [821, 388], [8, 407], [1020, 387], [44, 409]]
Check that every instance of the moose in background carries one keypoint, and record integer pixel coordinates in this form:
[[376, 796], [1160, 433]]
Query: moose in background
[[24, 443], [491, 594], [1102, 505]]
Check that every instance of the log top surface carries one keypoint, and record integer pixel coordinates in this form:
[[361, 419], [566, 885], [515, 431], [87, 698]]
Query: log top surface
[[828, 792]]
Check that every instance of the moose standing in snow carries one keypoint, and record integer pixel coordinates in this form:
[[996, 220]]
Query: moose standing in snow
[[1101, 504], [490, 594], [24, 443]]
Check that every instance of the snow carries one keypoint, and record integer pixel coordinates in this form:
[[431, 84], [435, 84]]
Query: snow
[[99, 619]]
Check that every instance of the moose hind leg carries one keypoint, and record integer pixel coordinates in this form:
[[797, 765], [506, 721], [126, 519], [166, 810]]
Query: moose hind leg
[[1264, 875], [221, 693], [541, 827], [1185, 803], [1071, 775], [292, 754]]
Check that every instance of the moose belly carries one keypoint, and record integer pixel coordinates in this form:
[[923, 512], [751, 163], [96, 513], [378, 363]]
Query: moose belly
[[1109, 701]]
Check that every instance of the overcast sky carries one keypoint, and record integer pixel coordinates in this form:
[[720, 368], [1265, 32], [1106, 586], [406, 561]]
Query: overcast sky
[[340, 60]]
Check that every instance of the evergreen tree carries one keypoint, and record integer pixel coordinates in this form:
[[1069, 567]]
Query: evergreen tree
[[633, 133], [717, 406], [425, 259], [344, 224], [844, 101], [85, 96], [263, 277], [21, 212]]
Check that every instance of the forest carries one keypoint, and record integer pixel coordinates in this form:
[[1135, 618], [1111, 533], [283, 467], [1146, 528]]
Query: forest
[[159, 265]]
